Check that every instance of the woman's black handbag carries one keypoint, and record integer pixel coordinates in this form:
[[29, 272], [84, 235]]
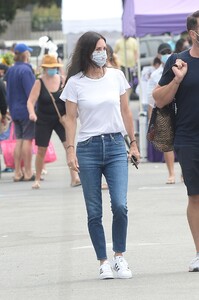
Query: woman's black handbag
[[161, 127]]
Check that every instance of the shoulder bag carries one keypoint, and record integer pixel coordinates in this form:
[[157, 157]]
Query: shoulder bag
[[161, 129]]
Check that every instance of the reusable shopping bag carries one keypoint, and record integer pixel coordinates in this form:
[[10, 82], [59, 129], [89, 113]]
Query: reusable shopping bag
[[50, 155]]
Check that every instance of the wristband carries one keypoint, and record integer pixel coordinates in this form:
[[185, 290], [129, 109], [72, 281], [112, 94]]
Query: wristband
[[131, 142], [69, 146]]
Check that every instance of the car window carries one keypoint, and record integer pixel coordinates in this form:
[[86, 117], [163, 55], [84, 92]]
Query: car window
[[148, 49], [153, 46], [35, 50]]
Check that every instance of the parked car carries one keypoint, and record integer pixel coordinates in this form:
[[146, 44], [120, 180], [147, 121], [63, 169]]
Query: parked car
[[149, 45], [38, 52]]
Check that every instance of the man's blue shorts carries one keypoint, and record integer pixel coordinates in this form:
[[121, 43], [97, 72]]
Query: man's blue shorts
[[24, 129]]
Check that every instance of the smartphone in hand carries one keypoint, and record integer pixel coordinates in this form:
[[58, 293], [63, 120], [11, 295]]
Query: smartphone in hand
[[134, 161]]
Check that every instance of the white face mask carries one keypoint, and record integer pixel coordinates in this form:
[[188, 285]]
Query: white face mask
[[99, 57]]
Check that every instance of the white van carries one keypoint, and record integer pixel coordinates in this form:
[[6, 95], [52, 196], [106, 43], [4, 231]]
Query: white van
[[38, 52]]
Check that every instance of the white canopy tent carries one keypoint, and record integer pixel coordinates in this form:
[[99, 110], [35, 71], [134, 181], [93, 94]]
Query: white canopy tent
[[80, 16], [84, 15]]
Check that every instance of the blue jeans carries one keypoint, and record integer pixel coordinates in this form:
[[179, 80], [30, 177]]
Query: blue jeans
[[105, 154]]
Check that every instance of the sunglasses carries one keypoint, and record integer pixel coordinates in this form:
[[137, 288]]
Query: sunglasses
[[165, 51]]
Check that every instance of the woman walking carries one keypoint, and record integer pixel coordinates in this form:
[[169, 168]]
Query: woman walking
[[98, 94], [45, 115]]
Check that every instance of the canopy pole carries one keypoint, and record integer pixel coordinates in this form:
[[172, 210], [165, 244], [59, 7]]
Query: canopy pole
[[125, 60], [142, 115]]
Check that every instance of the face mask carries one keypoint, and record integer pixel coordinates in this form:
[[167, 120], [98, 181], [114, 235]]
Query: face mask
[[164, 58], [99, 57], [51, 72], [185, 48]]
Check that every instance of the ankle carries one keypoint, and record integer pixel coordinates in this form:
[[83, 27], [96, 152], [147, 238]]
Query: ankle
[[118, 254], [103, 261]]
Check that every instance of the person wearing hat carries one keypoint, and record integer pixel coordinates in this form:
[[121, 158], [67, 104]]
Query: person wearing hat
[[164, 51], [45, 114], [20, 79]]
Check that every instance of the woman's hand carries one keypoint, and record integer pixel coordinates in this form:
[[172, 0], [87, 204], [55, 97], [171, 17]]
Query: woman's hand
[[133, 151], [179, 69], [33, 117], [4, 120], [72, 161]]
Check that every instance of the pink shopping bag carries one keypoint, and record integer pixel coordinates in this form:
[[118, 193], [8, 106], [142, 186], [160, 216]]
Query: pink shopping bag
[[50, 152], [8, 147]]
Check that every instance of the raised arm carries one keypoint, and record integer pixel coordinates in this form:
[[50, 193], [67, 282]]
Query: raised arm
[[163, 95]]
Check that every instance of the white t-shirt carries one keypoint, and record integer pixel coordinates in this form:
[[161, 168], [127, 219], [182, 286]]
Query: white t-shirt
[[98, 102], [152, 83], [145, 75]]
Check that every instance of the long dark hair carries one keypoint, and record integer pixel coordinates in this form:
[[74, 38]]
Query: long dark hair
[[81, 57]]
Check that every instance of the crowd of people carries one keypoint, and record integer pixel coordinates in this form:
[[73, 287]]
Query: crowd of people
[[95, 90]]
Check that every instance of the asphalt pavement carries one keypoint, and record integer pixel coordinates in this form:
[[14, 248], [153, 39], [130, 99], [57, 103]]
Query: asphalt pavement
[[46, 253]]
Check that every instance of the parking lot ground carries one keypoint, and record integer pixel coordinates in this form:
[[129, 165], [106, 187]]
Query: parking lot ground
[[46, 253]]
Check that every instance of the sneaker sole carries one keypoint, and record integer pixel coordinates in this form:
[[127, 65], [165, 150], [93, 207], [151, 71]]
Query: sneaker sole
[[123, 277], [107, 277], [194, 270]]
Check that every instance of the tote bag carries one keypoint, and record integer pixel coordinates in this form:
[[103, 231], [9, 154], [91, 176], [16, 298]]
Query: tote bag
[[161, 129], [8, 147], [50, 155]]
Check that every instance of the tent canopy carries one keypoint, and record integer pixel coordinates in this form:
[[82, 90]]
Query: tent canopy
[[142, 17], [85, 15]]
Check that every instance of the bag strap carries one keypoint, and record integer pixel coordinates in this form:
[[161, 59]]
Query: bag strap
[[53, 100]]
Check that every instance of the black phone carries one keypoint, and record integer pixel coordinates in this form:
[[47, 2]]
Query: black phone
[[134, 161]]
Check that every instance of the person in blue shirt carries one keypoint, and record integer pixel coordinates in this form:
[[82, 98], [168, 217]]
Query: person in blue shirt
[[20, 79]]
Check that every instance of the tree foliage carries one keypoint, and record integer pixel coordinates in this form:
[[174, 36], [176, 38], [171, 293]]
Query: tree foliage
[[44, 3], [43, 18], [8, 9]]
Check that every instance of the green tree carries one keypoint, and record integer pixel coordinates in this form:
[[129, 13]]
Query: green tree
[[8, 9], [44, 18]]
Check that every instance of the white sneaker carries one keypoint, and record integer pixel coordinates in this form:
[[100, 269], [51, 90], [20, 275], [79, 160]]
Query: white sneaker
[[194, 265], [120, 265], [106, 271]]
